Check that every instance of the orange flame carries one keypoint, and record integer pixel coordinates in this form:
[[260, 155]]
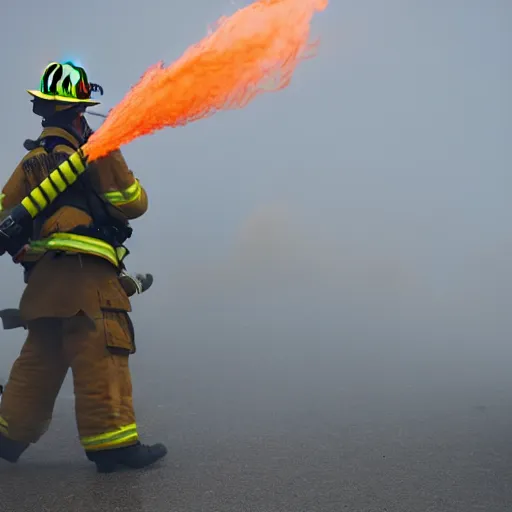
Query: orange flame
[[253, 51]]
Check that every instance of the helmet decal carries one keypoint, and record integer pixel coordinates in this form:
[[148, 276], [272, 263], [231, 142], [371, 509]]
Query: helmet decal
[[66, 80]]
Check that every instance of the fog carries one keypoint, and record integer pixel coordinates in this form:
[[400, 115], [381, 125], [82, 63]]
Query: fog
[[336, 252]]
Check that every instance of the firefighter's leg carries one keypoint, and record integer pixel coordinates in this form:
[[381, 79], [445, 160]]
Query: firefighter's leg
[[98, 353], [34, 383]]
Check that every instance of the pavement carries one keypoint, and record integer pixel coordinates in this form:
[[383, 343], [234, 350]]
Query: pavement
[[286, 435]]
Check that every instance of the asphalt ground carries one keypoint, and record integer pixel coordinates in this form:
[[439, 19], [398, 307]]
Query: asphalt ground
[[261, 433]]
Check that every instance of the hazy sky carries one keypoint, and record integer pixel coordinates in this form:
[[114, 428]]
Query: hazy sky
[[368, 201]]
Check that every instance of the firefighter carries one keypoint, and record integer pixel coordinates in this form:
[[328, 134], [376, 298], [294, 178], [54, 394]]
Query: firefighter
[[74, 304]]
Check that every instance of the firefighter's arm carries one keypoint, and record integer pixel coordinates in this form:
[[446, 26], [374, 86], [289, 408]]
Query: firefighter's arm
[[13, 192], [120, 187]]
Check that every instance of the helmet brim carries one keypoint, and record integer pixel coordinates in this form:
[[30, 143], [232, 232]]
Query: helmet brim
[[62, 99]]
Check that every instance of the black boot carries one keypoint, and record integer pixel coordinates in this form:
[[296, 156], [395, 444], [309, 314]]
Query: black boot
[[137, 456], [11, 450]]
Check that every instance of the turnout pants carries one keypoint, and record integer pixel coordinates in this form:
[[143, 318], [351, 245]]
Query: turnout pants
[[97, 351]]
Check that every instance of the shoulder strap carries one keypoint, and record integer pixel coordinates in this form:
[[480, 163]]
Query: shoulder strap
[[75, 196]]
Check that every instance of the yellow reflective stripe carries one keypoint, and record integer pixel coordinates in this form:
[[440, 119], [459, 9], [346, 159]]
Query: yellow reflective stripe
[[56, 178], [121, 253], [2, 196], [110, 439], [68, 172], [57, 181], [128, 195], [42, 195], [38, 198], [74, 243], [78, 160], [30, 206], [3, 426], [49, 188]]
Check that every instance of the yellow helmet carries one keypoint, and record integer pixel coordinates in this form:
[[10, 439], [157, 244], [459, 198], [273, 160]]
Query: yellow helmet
[[65, 83]]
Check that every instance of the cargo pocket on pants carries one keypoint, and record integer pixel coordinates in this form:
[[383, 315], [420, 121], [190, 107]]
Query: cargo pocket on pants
[[119, 332]]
